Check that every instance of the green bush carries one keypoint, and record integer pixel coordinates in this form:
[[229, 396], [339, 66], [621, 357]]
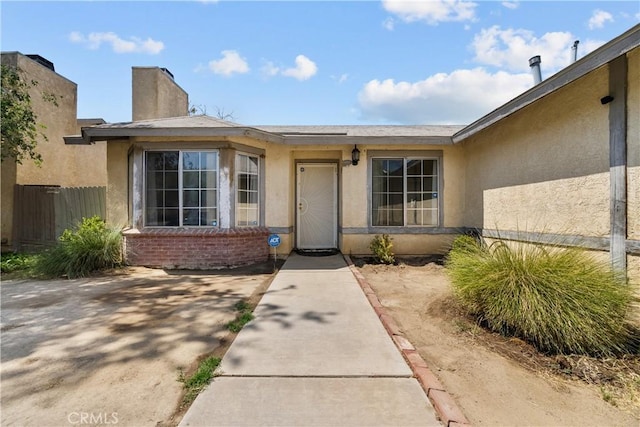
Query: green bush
[[381, 248], [12, 261], [560, 300], [90, 247]]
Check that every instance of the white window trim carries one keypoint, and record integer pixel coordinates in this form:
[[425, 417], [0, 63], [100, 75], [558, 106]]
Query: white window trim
[[405, 156], [180, 187], [236, 188]]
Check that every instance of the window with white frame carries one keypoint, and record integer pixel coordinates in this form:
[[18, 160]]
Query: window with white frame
[[404, 192], [181, 188], [247, 190]]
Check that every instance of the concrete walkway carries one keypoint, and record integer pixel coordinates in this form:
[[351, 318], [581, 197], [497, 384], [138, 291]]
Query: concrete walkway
[[315, 355]]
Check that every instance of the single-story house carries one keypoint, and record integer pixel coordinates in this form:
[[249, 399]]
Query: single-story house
[[562, 159]]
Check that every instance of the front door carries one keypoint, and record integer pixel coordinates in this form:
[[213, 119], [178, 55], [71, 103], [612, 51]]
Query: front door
[[317, 205]]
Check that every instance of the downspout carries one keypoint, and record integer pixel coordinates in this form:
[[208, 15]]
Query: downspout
[[534, 63]]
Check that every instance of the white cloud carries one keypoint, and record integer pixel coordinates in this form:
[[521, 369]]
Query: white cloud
[[433, 11], [133, 45], [304, 69], [230, 63], [511, 4], [456, 98], [511, 48], [389, 24], [341, 78], [599, 18], [269, 69]]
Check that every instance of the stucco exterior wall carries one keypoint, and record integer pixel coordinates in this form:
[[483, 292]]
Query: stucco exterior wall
[[546, 167], [118, 190], [156, 95], [8, 177], [355, 200]]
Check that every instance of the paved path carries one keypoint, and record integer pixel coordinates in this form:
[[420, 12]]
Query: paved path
[[315, 355]]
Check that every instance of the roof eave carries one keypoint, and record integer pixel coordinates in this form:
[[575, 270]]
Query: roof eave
[[92, 134], [366, 140], [601, 56]]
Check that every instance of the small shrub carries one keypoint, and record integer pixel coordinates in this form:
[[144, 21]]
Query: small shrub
[[12, 262], [560, 300], [90, 247], [381, 248]]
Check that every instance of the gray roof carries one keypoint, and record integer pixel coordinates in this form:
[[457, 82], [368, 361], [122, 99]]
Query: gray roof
[[199, 121], [363, 130], [295, 135]]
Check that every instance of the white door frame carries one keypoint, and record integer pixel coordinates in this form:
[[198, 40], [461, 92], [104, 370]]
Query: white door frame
[[304, 202]]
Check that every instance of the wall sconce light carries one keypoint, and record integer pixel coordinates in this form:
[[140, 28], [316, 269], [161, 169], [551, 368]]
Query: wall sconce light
[[355, 155]]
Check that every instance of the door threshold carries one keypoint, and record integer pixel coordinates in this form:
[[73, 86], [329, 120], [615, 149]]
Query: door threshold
[[317, 252]]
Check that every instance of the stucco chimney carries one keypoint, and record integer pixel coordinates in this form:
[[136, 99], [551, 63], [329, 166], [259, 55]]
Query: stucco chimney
[[155, 95], [534, 63]]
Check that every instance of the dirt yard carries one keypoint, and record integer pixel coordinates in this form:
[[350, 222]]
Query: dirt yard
[[495, 381], [108, 350]]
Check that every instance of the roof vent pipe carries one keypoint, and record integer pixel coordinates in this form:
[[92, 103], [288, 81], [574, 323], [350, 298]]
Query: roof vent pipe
[[574, 51], [534, 63]]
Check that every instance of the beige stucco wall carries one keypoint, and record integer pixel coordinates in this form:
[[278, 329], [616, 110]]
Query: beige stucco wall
[[403, 244], [545, 168], [63, 165], [280, 190], [117, 189], [156, 95], [6, 208]]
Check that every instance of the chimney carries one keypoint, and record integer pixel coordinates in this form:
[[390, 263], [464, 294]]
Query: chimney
[[156, 95], [574, 51], [534, 63], [42, 61]]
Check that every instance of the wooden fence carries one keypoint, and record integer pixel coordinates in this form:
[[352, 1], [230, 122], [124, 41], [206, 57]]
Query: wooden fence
[[42, 213]]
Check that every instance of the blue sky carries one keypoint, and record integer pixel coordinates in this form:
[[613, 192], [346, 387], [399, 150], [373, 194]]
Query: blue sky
[[314, 62]]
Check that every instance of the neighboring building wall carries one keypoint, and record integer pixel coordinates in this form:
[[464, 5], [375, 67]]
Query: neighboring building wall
[[63, 165], [156, 95], [545, 168]]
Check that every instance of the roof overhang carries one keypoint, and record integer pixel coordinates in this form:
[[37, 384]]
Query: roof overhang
[[93, 134], [605, 54], [368, 140]]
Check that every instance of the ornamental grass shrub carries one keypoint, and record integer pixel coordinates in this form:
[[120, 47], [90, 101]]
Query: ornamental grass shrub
[[560, 300], [91, 246]]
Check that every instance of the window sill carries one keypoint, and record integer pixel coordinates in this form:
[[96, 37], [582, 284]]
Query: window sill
[[193, 231]]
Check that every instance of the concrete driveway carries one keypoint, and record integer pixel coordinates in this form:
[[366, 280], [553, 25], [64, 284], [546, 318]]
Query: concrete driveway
[[108, 350]]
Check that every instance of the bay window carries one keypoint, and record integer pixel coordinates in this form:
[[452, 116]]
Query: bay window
[[181, 188], [247, 191]]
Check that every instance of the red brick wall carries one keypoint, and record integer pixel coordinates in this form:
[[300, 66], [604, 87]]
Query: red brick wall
[[194, 248]]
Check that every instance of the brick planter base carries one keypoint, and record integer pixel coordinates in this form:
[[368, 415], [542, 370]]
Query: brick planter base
[[193, 248]]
